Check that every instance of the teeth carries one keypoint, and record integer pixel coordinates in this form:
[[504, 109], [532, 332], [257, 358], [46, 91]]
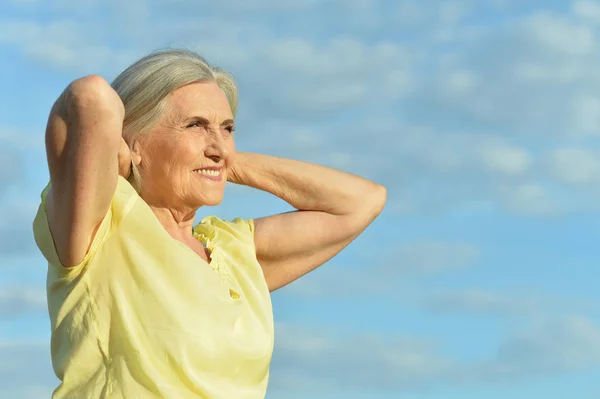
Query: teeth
[[208, 172]]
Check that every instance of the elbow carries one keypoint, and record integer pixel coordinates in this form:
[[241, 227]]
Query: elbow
[[364, 211], [88, 109], [377, 200], [93, 94], [369, 206]]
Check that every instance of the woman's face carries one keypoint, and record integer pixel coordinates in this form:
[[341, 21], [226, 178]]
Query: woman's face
[[185, 159]]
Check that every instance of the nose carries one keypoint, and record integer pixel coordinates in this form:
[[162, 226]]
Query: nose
[[216, 149]]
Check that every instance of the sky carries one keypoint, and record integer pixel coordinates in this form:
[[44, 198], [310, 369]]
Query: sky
[[482, 118]]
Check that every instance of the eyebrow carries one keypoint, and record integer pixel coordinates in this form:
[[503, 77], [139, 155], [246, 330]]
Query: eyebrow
[[207, 122]]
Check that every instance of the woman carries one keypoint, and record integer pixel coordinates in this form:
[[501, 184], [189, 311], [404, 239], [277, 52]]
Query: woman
[[142, 303]]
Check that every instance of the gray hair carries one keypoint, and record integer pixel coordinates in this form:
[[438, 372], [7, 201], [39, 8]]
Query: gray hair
[[145, 85]]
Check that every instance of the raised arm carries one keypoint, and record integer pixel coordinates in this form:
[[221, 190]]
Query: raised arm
[[333, 209], [82, 144]]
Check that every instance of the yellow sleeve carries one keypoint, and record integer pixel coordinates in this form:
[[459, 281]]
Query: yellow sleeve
[[238, 228], [45, 241], [121, 203]]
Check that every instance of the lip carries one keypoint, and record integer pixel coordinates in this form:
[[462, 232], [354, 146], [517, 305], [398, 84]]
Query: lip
[[212, 178], [210, 168]]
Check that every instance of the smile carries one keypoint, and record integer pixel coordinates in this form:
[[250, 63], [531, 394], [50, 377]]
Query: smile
[[212, 174]]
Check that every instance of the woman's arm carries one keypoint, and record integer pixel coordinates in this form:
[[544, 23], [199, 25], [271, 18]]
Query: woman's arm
[[82, 145], [333, 209]]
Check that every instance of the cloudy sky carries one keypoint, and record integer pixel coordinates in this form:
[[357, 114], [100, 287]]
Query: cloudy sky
[[480, 278]]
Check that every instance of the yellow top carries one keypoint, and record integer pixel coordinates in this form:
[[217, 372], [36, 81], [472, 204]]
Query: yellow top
[[143, 316]]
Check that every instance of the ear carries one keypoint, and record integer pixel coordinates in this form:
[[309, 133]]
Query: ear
[[136, 154]]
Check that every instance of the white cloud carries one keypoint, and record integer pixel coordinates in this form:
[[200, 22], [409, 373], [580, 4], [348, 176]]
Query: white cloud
[[460, 83], [17, 300], [428, 257], [450, 12], [17, 209], [557, 34], [409, 13], [530, 304], [550, 347], [455, 129], [16, 219], [327, 362], [19, 140], [529, 77], [588, 10], [411, 259], [341, 55], [479, 301], [331, 361], [10, 167], [304, 77], [577, 166], [332, 281], [64, 44], [529, 198], [323, 360], [586, 113], [274, 6], [506, 160], [23, 2], [493, 119], [26, 370], [449, 15]]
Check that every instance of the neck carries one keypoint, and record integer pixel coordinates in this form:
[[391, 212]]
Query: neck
[[177, 223], [176, 218]]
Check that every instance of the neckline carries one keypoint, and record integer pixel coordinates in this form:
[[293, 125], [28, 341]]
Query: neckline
[[215, 262], [204, 241], [215, 257]]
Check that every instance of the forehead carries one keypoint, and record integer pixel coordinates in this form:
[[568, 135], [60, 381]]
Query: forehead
[[200, 99]]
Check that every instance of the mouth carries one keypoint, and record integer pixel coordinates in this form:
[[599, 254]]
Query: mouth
[[214, 174]]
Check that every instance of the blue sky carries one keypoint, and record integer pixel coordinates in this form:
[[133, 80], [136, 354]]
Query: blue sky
[[482, 118]]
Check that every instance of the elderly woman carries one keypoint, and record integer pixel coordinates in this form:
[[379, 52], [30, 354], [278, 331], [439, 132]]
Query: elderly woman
[[143, 304]]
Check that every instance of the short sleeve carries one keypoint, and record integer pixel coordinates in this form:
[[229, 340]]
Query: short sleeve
[[45, 240], [233, 254], [238, 228], [121, 203]]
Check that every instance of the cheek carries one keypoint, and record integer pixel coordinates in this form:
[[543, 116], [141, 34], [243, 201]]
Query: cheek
[[169, 160], [231, 156], [181, 154], [231, 151]]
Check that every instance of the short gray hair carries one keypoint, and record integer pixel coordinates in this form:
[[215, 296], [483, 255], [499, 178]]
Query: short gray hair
[[145, 85]]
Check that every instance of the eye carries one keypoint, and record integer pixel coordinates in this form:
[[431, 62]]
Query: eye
[[194, 124], [230, 129]]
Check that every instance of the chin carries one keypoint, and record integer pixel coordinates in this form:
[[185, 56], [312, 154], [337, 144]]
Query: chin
[[211, 201]]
